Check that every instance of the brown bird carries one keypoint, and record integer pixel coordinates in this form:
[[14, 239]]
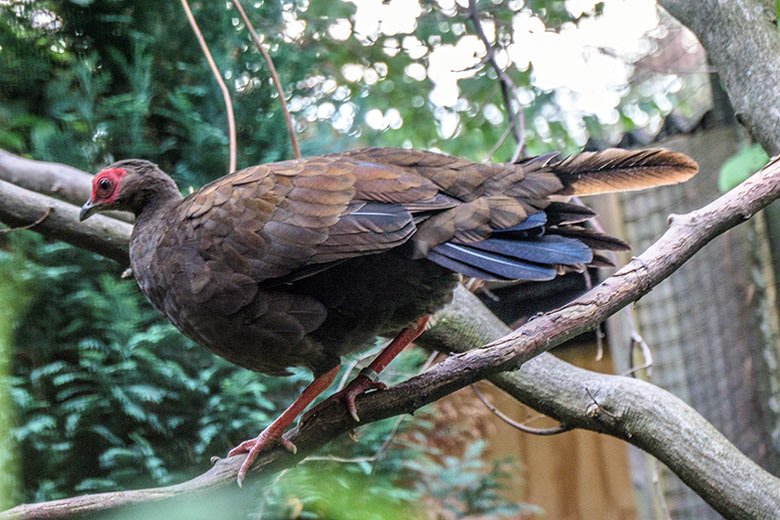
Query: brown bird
[[299, 262]]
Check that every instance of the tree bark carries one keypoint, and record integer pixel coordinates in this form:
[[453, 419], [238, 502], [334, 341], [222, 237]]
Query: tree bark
[[638, 412], [743, 43], [100, 234], [57, 180]]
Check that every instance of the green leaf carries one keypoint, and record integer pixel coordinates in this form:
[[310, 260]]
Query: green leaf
[[741, 165]]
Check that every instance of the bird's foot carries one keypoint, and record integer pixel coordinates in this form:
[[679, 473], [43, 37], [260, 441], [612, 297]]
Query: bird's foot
[[357, 386], [273, 433], [362, 383], [253, 447]]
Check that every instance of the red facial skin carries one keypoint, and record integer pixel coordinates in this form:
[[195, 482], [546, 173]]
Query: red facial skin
[[106, 194]]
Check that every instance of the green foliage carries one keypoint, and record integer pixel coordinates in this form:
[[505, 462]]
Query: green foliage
[[456, 487], [466, 490], [126, 79], [747, 161], [777, 11], [13, 298], [365, 490], [106, 392]]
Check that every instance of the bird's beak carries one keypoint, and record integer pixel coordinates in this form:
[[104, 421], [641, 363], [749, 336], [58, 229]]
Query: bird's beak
[[87, 209]]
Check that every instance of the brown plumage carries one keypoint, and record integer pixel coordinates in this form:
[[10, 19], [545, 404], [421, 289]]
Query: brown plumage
[[299, 262]]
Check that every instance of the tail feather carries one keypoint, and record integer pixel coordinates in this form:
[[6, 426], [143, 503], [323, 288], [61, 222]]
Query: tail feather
[[535, 250], [593, 239], [601, 262], [462, 268], [562, 213], [589, 173]]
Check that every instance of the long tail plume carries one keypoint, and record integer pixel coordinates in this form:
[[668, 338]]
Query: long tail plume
[[614, 169]]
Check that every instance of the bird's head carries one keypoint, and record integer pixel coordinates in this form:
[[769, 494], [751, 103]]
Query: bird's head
[[128, 185]]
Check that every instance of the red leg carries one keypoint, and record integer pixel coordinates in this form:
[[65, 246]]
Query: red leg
[[366, 380], [276, 429], [400, 342]]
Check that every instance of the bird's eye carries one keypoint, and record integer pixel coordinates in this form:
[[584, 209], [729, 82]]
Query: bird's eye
[[104, 185]]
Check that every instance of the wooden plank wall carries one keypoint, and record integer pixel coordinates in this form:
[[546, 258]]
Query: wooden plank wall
[[577, 475]]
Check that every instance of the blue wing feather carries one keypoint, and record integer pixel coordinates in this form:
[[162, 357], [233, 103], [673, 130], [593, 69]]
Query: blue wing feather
[[464, 269], [532, 221], [548, 249], [502, 266]]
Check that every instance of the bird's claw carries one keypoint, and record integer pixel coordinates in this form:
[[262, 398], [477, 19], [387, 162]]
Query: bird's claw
[[289, 446], [356, 387], [253, 447]]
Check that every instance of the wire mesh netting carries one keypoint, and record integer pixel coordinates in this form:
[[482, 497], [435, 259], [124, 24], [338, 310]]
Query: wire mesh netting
[[706, 323]]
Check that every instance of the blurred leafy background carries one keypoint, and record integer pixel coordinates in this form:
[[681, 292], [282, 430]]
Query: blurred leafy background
[[105, 394]]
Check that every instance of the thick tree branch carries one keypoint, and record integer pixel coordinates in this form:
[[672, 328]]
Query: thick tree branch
[[101, 234], [57, 180], [638, 412], [743, 43]]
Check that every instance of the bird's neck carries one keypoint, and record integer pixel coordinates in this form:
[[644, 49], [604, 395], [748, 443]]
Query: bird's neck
[[155, 198]]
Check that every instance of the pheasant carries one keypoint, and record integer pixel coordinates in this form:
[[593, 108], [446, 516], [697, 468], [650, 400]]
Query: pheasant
[[300, 262]]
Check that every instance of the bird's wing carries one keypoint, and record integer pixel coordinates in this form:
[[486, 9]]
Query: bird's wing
[[290, 219], [490, 195]]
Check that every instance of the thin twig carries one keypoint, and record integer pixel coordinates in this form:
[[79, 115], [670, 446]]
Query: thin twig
[[429, 362], [268, 491], [508, 87], [274, 76], [346, 375], [520, 145], [498, 144], [598, 405], [357, 460], [599, 335], [400, 419], [660, 492], [647, 354], [225, 92], [599, 343], [29, 226], [514, 424], [343, 460], [383, 448]]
